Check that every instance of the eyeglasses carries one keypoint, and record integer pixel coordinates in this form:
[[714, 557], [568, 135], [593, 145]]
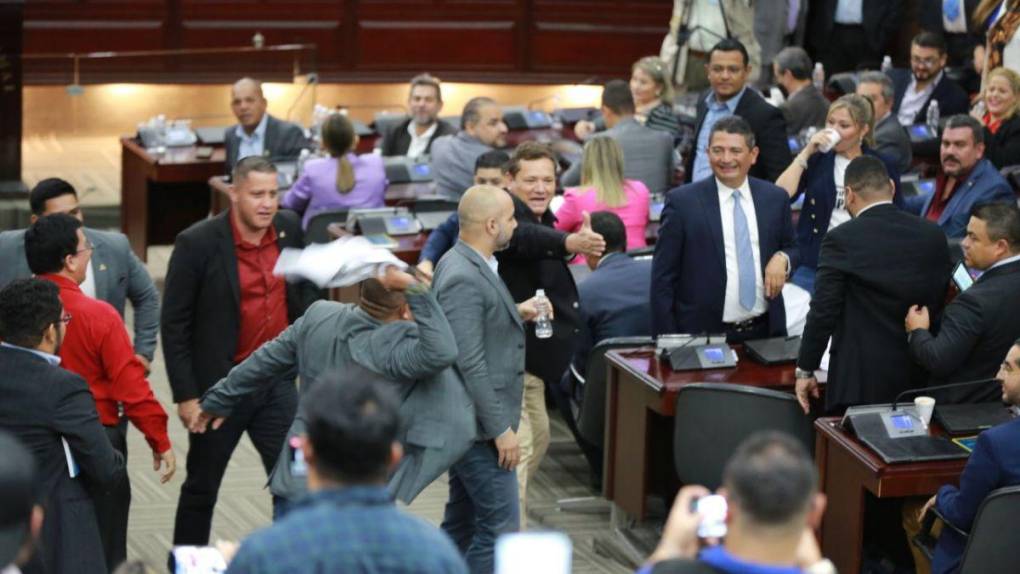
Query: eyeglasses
[[926, 62], [88, 247], [65, 318]]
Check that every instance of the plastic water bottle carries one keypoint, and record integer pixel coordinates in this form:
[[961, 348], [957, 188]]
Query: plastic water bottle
[[543, 326], [933, 117], [818, 76], [886, 64]]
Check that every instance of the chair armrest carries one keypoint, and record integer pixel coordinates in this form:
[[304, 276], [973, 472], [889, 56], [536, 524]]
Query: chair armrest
[[935, 512]]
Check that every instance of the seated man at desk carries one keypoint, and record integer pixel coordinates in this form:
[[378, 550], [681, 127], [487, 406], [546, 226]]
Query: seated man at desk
[[453, 156], [414, 136], [994, 463], [725, 248], [926, 82], [256, 132]]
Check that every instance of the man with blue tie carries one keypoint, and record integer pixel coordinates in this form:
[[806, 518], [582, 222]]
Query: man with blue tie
[[725, 248]]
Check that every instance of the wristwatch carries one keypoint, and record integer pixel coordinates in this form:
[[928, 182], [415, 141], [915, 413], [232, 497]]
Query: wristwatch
[[803, 374]]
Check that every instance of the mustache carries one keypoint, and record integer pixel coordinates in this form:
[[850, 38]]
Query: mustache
[[951, 157]]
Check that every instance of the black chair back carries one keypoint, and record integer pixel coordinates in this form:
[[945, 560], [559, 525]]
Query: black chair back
[[591, 420], [993, 537], [317, 231], [712, 419]]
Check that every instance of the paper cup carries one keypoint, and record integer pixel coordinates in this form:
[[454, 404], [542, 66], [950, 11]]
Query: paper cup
[[833, 139], [925, 407]]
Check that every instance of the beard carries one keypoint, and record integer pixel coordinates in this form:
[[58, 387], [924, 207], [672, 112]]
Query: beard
[[503, 239]]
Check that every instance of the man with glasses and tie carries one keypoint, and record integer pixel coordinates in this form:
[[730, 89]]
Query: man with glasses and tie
[[926, 82], [725, 248], [97, 348]]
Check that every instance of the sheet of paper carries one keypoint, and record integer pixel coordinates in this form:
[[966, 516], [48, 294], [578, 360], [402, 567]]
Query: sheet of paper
[[72, 465], [345, 261]]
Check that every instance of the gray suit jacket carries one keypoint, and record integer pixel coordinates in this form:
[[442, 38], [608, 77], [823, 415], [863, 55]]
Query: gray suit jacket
[[647, 156], [119, 274], [806, 108], [284, 141], [490, 337], [333, 341], [892, 141]]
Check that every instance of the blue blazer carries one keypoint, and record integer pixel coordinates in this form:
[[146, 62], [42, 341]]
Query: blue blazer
[[820, 199], [995, 463], [689, 266], [984, 184], [614, 303]]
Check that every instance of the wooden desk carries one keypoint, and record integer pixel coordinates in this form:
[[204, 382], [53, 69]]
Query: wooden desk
[[641, 398], [162, 195], [847, 469]]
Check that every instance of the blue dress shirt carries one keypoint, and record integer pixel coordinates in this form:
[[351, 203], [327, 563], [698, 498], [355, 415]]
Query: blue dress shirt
[[253, 144], [716, 111]]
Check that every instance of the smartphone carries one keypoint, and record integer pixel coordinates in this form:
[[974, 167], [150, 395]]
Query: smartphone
[[531, 552], [198, 560], [712, 509]]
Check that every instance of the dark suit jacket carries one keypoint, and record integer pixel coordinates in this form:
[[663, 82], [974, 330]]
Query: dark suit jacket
[[893, 142], [201, 302], [769, 129], [805, 108], [818, 183], [537, 259], [284, 141], [960, 47], [871, 270], [614, 303], [951, 97], [1003, 147], [983, 185], [977, 330], [42, 403], [881, 19], [995, 463], [689, 267], [397, 140]]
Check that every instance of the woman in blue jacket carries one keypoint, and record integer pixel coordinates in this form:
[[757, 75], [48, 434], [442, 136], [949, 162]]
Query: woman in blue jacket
[[817, 173]]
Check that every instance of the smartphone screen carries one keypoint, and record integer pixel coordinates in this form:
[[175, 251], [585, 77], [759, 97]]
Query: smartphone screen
[[198, 560], [531, 552], [712, 509]]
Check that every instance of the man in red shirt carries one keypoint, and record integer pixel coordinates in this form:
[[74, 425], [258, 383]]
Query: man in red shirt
[[220, 303], [97, 347]]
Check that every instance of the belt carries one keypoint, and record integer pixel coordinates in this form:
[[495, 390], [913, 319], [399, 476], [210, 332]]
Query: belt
[[747, 323]]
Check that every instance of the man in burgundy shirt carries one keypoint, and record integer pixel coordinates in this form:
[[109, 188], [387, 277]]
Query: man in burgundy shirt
[[965, 179], [220, 303], [97, 347]]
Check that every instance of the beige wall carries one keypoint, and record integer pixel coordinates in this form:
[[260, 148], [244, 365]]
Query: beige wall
[[113, 109]]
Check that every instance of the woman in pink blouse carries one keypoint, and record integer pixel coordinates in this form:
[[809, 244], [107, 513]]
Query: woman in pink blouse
[[603, 188]]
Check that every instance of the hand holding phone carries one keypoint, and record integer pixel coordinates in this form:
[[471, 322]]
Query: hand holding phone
[[712, 510]]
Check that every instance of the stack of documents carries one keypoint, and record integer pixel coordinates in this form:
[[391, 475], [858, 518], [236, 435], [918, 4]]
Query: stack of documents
[[346, 261]]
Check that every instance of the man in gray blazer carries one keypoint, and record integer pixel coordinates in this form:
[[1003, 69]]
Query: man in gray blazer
[[891, 138], [114, 274], [374, 339], [256, 132], [489, 329], [647, 154]]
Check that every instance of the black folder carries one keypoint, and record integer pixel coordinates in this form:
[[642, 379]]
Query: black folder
[[971, 418]]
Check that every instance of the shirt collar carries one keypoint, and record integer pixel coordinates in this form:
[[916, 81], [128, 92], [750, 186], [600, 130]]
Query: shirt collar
[[930, 87], [1005, 261], [428, 133], [726, 191], [258, 134], [861, 212], [51, 359], [491, 261], [731, 104], [269, 237]]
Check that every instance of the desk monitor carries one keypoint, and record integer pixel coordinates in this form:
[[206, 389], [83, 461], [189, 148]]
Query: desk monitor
[[211, 135], [897, 438], [518, 118], [773, 351], [920, 133], [401, 169]]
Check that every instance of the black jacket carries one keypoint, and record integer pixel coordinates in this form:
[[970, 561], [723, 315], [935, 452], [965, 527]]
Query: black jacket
[[951, 97], [201, 318], [42, 403], [870, 271], [537, 259], [397, 140], [769, 129], [881, 19], [977, 330], [1003, 147]]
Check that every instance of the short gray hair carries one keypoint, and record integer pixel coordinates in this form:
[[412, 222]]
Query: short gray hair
[[888, 90], [472, 110], [795, 60]]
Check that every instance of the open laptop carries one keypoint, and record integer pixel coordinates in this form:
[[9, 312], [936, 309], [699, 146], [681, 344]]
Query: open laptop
[[773, 351]]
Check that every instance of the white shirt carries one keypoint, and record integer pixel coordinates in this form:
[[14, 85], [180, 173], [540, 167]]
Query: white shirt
[[1005, 261], [51, 359], [88, 286], [839, 213], [253, 144], [913, 100], [419, 142], [849, 12], [706, 21], [733, 312]]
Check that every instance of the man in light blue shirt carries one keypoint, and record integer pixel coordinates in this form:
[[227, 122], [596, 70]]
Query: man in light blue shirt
[[719, 107], [256, 132], [251, 143]]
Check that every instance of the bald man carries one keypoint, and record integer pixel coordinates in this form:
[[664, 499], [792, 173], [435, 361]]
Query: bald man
[[256, 132], [489, 329]]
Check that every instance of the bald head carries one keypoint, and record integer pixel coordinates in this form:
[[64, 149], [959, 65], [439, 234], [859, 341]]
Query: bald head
[[248, 103], [486, 218]]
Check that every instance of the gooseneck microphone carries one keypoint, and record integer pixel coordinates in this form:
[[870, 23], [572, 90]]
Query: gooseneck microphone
[[942, 387]]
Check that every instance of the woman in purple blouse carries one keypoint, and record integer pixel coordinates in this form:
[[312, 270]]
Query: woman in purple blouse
[[341, 181]]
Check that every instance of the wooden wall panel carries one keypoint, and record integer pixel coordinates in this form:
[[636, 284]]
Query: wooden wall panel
[[395, 45]]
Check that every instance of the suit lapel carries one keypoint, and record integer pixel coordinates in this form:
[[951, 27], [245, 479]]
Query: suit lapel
[[225, 241], [270, 136], [100, 264], [492, 278], [713, 217], [958, 193]]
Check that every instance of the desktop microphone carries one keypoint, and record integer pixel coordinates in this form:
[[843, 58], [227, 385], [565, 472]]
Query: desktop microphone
[[943, 387]]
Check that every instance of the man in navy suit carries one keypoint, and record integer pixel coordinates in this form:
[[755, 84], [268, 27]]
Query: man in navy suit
[[926, 82], [994, 463], [725, 248]]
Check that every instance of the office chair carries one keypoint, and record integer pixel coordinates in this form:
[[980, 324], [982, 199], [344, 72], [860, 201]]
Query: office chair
[[991, 540], [317, 230], [1012, 175], [712, 419]]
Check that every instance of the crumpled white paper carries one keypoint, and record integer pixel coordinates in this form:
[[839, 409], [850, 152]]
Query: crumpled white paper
[[340, 263]]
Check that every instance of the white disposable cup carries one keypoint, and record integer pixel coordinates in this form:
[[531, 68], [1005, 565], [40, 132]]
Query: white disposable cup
[[832, 137], [925, 407]]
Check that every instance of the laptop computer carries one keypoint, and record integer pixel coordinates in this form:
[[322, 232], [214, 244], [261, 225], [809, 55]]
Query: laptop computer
[[773, 351]]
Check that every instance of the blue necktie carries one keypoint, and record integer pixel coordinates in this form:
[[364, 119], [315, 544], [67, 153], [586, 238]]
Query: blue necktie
[[745, 257]]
